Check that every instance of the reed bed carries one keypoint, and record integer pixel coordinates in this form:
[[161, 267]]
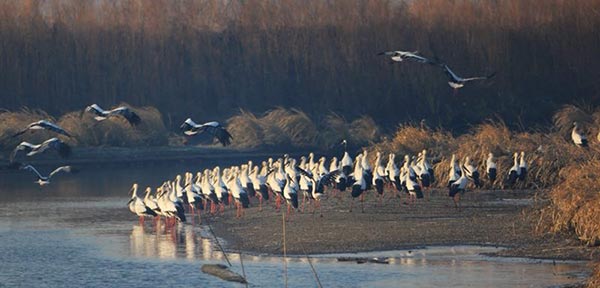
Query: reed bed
[[575, 202], [292, 127]]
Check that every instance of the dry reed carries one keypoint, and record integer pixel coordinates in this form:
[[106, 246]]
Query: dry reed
[[292, 127]]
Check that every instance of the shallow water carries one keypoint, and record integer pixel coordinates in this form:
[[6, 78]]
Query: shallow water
[[78, 232]]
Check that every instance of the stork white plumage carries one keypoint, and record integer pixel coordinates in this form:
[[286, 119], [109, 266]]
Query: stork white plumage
[[393, 173], [63, 149], [472, 172], [378, 174], [259, 182], [191, 128], [490, 168], [578, 137], [346, 161], [290, 193], [522, 168], [322, 169], [150, 201], [423, 174], [177, 202], [43, 125], [408, 181], [457, 188], [45, 180], [399, 56], [239, 194], [192, 193], [123, 111], [137, 206], [513, 172], [455, 170], [457, 82], [220, 188], [360, 184], [427, 166], [208, 191], [367, 169]]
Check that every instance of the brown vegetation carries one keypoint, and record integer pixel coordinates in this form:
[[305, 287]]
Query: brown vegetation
[[292, 127], [576, 202]]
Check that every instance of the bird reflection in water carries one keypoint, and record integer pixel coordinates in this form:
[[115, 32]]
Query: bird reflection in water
[[180, 241]]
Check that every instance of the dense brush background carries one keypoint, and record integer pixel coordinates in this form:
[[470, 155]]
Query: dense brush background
[[209, 58]]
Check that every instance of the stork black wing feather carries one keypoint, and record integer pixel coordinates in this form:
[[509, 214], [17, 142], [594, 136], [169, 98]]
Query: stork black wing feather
[[304, 172], [329, 177]]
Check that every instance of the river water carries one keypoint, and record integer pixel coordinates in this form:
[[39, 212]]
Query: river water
[[78, 232]]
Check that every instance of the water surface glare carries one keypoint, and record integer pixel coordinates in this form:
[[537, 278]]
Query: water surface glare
[[78, 232]]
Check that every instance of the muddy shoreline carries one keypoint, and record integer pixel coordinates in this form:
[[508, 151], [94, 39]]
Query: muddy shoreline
[[488, 218]]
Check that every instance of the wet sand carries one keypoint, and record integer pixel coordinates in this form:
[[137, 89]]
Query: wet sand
[[485, 219]]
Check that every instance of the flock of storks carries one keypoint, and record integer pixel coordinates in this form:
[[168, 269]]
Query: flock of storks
[[304, 182], [64, 150]]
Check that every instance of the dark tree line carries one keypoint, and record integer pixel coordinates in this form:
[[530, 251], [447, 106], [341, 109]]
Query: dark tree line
[[208, 58]]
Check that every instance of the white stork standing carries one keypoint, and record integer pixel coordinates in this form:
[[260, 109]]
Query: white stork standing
[[578, 136], [513, 172], [378, 174], [259, 182], [522, 168], [490, 168], [346, 161], [457, 188], [137, 206], [360, 185], [423, 173], [393, 173], [471, 171], [290, 193], [239, 194], [220, 188], [367, 169]]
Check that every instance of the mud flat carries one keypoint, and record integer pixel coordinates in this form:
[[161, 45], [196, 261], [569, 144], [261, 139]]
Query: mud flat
[[489, 218]]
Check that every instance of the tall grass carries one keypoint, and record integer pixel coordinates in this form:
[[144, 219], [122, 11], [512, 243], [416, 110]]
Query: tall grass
[[292, 127], [576, 202]]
